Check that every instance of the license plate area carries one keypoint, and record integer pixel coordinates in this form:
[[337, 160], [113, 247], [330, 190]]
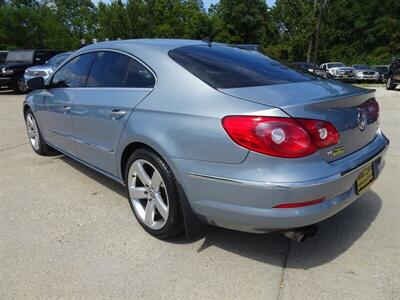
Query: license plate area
[[365, 179]]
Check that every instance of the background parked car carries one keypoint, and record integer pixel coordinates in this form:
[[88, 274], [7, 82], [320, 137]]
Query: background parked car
[[393, 78], [365, 73], [338, 70], [383, 72], [309, 67], [47, 69], [15, 64]]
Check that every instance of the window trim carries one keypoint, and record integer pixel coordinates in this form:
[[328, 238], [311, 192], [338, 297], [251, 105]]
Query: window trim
[[148, 68]]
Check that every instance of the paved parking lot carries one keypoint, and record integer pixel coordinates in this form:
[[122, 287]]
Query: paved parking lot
[[68, 232]]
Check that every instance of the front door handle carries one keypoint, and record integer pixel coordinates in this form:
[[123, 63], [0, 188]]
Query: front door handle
[[66, 108], [117, 114]]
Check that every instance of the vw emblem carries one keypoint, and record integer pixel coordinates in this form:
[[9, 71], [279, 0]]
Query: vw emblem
[[362, 120]]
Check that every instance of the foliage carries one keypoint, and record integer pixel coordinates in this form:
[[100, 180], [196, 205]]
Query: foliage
[[366, 31]]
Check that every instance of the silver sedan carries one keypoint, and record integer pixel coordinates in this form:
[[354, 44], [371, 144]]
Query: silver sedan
[[206, 133]]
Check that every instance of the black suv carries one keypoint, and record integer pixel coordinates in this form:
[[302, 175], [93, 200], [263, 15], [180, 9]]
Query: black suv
[[13, 68], [393, 77]]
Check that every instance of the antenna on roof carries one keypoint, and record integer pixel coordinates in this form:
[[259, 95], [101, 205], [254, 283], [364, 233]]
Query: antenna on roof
[[208, 39]]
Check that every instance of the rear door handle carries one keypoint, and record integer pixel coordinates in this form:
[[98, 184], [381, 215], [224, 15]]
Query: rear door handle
[[117, 114], [66, 108]]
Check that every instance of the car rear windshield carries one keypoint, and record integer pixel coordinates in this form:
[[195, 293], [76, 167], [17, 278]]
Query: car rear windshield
[[224, 67]]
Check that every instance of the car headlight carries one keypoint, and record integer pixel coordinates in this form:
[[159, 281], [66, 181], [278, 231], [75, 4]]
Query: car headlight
[[8, 72]]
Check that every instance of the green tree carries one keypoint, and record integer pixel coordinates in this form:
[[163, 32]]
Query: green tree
[[241, 21]]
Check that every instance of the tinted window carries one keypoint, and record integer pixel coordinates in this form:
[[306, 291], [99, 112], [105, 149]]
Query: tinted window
[[74, 73], [20, 56], [3, 56], [117, 70], [230, 67]]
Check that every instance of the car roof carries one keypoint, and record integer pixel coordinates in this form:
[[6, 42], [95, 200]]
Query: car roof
[[160, 45], [152, 52], [35, 50]]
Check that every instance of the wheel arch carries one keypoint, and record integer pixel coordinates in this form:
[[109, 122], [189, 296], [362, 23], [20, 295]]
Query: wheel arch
[[135, 145], [25, 108]]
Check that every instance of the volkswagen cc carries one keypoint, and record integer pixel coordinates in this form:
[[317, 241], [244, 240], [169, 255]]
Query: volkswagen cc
[[206, 131]]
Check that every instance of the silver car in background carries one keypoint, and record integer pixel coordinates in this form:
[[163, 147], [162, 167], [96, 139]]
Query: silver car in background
[[209, 133], [46, 69], [365, 73]]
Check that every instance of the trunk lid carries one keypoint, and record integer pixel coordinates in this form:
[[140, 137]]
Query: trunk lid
[[345, 106]]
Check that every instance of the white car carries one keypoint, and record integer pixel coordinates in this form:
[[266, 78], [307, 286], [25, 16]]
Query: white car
[[338, 70], [365, 73]]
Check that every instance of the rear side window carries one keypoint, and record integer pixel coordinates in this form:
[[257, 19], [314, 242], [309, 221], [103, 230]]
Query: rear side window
[[112, 69], [225, 67], [74, 73]]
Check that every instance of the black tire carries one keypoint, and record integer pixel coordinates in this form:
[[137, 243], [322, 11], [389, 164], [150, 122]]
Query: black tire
[[389, 85], [18, 85], [43, 148], [174, 223]]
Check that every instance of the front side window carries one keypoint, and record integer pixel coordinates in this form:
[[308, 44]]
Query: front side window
[[74, 73], [229, 67], [58, 59], [113, 69]]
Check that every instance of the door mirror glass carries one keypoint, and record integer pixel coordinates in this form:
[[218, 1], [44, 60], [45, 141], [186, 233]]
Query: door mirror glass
[[36, 83]]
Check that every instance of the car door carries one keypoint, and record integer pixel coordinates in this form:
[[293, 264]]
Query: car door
[[59, 98], [116, 84]]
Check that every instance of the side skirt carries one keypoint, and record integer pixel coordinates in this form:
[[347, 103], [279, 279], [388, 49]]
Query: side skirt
[[119, 180]]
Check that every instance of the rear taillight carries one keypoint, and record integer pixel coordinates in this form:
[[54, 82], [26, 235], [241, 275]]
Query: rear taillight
[[281, 137], [300, 204], [371, 107]]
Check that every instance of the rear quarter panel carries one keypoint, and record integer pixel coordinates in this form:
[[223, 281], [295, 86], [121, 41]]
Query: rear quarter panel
[[181, 118]]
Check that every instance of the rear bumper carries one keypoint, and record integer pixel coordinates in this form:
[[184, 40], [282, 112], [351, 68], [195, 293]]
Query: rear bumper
[[247, 205]]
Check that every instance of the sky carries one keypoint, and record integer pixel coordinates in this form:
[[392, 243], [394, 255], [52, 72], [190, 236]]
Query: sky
[[207, 3]]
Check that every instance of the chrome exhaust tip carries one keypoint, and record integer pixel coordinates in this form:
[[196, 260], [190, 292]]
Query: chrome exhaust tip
[[301, 233]]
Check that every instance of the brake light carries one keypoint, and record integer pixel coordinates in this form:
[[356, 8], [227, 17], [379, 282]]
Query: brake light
[[300, 204], [280, 137], [322, 133]]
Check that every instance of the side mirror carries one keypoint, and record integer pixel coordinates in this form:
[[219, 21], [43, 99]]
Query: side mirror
[[36, 83]]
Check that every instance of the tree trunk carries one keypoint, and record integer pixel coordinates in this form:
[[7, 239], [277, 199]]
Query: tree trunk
[[310, 42], [317, 33]]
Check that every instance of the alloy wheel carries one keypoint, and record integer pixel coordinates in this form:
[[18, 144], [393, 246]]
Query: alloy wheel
[[33, 132], [148, 194]]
